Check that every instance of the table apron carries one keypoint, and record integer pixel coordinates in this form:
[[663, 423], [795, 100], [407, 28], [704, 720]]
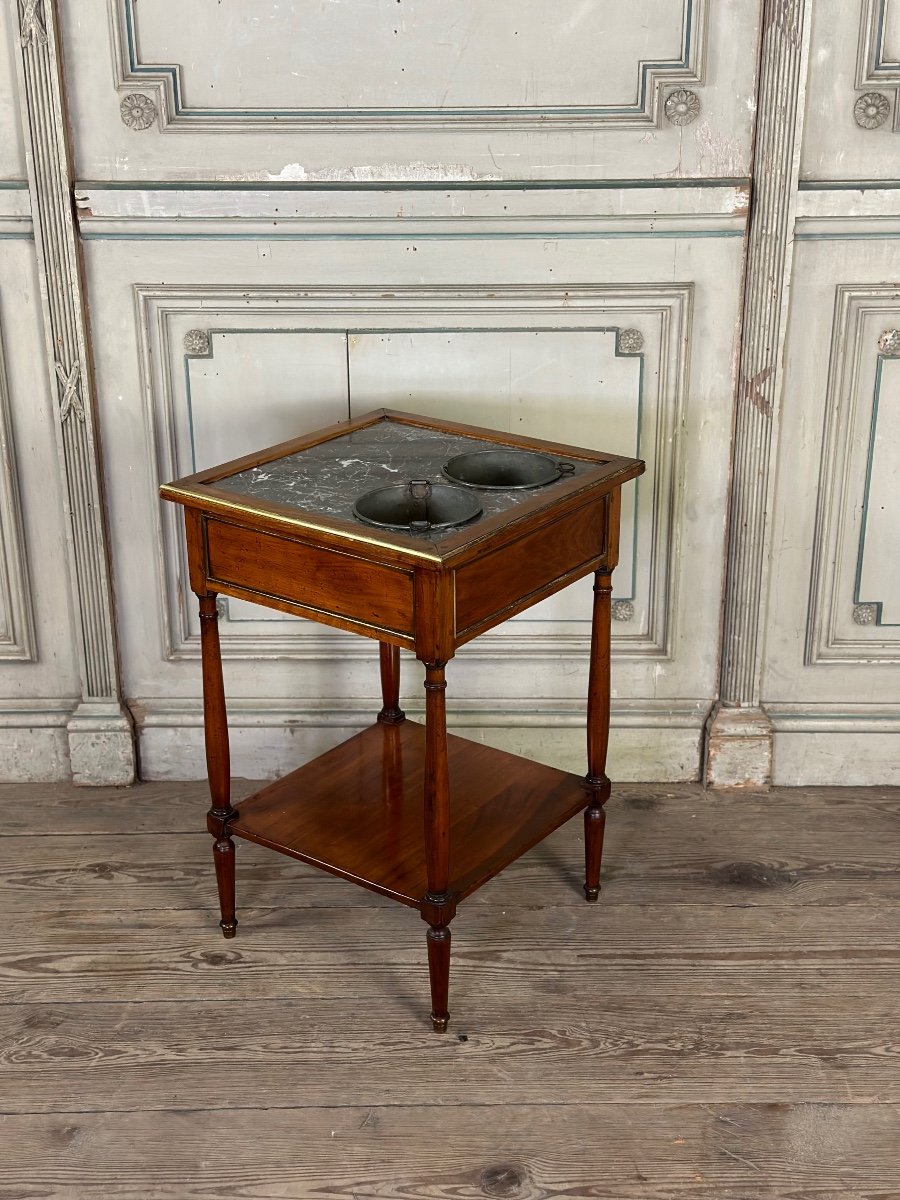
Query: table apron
[[541, 562], [335, 588]]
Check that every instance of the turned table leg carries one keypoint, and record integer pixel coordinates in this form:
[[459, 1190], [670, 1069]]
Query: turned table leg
[[391, 712], [437, 910], [598, 705], [218, 763]]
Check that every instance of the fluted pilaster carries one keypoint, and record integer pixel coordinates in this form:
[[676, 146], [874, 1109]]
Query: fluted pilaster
[[783, 68], [100, 735]]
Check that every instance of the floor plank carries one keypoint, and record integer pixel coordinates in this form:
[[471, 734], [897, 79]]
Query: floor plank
[[164, 1055], [722, 1025], [795, 1152], [680, 853], [38, 809]]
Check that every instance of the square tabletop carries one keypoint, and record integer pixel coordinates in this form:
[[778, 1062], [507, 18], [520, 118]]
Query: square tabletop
[[311, 484]]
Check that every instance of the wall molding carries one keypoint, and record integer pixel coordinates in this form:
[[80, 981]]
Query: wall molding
[[100, 740], [109, 212], [874, 68], [34, 742], [818, 743], [167, 82], [165, 315], [15, 210], [484, 712], [838, 630], [807, 716], [269, 739], [867, 211], [17, 638]]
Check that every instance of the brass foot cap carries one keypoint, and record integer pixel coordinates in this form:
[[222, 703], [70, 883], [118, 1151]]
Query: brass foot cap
[[228, 930], [592, 895], [439, 1024]]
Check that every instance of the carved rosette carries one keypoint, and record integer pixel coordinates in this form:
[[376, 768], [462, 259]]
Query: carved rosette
[[889, 343], [222, 607], [865, 614], [196, 342], [871, 110], [629, 341], [622, 610], [137, 111], [682, 106]]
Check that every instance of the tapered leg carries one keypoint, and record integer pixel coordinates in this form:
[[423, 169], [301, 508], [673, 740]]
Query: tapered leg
[[598, 706], [437, 783], [439, 972], [594, 825], [391, 712], [437, 910], [218, 762], [223, 854]]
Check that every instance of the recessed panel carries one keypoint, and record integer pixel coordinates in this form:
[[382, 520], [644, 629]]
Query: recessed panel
[[249, 389], [840, 493], [12, 157], [596, 366], [851, 115], [891, 44], [879, 562], [333, 91], [16, 618], [571, 386], [266, 56]]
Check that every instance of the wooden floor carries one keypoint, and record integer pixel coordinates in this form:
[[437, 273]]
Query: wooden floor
[[725, 1023]]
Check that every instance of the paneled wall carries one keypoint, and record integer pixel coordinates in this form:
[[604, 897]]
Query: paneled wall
[[267, 217], [832, 662], [38, 673]]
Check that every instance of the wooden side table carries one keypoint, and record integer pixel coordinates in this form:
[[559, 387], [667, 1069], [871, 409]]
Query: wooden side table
[[403, 808]]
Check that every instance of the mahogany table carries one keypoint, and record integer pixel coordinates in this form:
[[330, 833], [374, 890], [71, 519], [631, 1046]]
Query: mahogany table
[[403, 808]]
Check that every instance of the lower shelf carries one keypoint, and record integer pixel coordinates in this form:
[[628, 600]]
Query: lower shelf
[[357, 811]]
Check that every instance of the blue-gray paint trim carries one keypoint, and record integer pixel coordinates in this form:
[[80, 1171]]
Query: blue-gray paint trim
[[450, 235], [873, 427], [848, 185], [172, 73], [348, 332], [882, 66], [847, 237], [409, 185]]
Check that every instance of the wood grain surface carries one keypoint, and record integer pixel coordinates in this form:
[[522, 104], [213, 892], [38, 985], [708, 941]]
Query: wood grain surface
[[363, 810], [722, 1025], [317, 578]]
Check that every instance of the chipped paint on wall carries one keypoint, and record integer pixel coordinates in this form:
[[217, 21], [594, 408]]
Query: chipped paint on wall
[[383, 172]]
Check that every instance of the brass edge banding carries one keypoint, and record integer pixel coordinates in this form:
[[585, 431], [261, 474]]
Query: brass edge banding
[[222, 521], [197, 500], [172, 493]]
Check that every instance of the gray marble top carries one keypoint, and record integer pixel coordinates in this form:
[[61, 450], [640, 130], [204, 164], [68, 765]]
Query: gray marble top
[[325, 480]]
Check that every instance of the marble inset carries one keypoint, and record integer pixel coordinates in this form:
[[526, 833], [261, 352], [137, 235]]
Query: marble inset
[[325, 480]]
